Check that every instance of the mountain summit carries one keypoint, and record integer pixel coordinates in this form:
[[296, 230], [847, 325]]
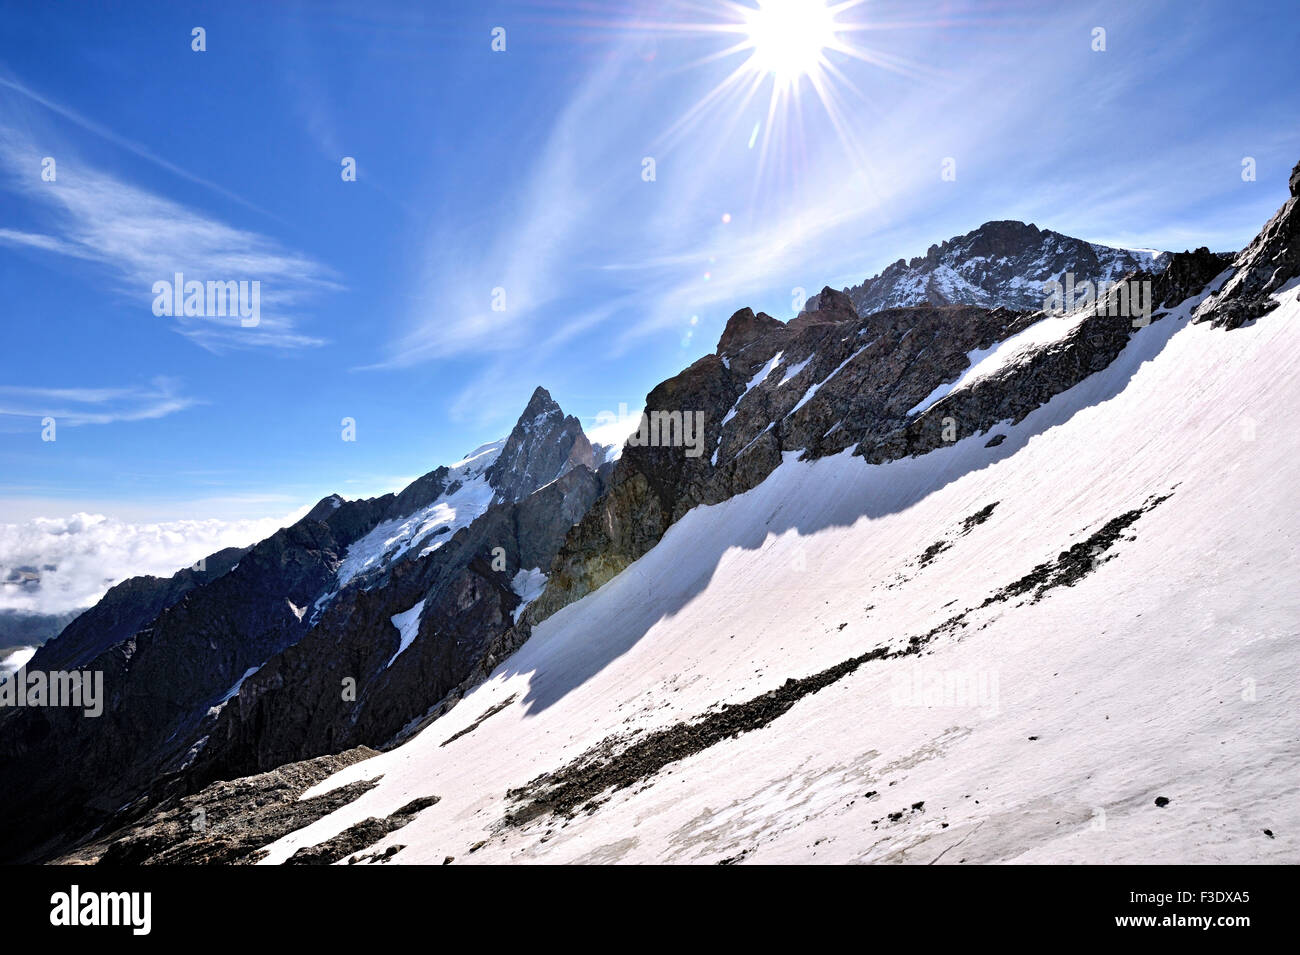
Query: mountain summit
[[1002, 263], [544, 445]]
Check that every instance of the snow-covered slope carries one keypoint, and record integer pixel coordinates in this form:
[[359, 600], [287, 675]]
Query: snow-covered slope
[[1020, 648], [468, 496]]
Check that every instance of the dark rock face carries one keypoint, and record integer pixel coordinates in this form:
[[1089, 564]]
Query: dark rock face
[[1262, 269], [295, 707], [1003, 263], [125, 609], [744, 327], [1013, 393], [240, 667], [818, 386], [64, 773], [826, 307], [545, 444]]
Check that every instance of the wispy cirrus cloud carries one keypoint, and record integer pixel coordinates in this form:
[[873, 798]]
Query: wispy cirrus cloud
[[143, 238], [102, 131], [81, 406], [716, 223], [741, 211]]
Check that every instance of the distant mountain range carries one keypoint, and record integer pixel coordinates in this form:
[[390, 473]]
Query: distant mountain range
[[1002, 264]]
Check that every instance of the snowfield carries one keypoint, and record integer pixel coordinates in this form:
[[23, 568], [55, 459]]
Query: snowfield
[[446, 515], [1032, 731]]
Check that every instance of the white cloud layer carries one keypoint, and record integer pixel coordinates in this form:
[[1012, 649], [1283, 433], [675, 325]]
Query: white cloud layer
[[15, 661], [91, 553]]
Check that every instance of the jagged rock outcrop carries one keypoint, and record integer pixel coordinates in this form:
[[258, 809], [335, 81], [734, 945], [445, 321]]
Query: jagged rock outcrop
[[826, 307], [1263, 268], [545, 444], [1012, 393], [227, 823], [1000, 264], [744, 327], [346, 683], [814, 386]]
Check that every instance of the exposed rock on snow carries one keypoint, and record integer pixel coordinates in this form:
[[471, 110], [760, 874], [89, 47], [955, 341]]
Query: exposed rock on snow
[[227, 823], [360, 836]]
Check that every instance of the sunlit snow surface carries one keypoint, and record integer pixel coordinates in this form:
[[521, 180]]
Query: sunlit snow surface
[[1171, 670], [391, 539], [408, 625], [528, 586]]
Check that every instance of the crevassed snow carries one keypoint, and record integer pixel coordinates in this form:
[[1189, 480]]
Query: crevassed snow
[[408, 625], [1172, 669], [528, 586]]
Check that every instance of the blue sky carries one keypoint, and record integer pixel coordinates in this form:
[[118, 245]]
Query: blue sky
[[522, 170]]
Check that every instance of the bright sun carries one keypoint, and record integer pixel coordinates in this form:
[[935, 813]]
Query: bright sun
[[788, 38], [795, 51]]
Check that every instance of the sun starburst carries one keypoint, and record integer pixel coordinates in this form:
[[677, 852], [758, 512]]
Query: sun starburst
[[791, 50], [788, 38]]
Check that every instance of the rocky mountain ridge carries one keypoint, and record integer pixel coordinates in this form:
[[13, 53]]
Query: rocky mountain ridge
[[194, 663], [1001, 264]]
